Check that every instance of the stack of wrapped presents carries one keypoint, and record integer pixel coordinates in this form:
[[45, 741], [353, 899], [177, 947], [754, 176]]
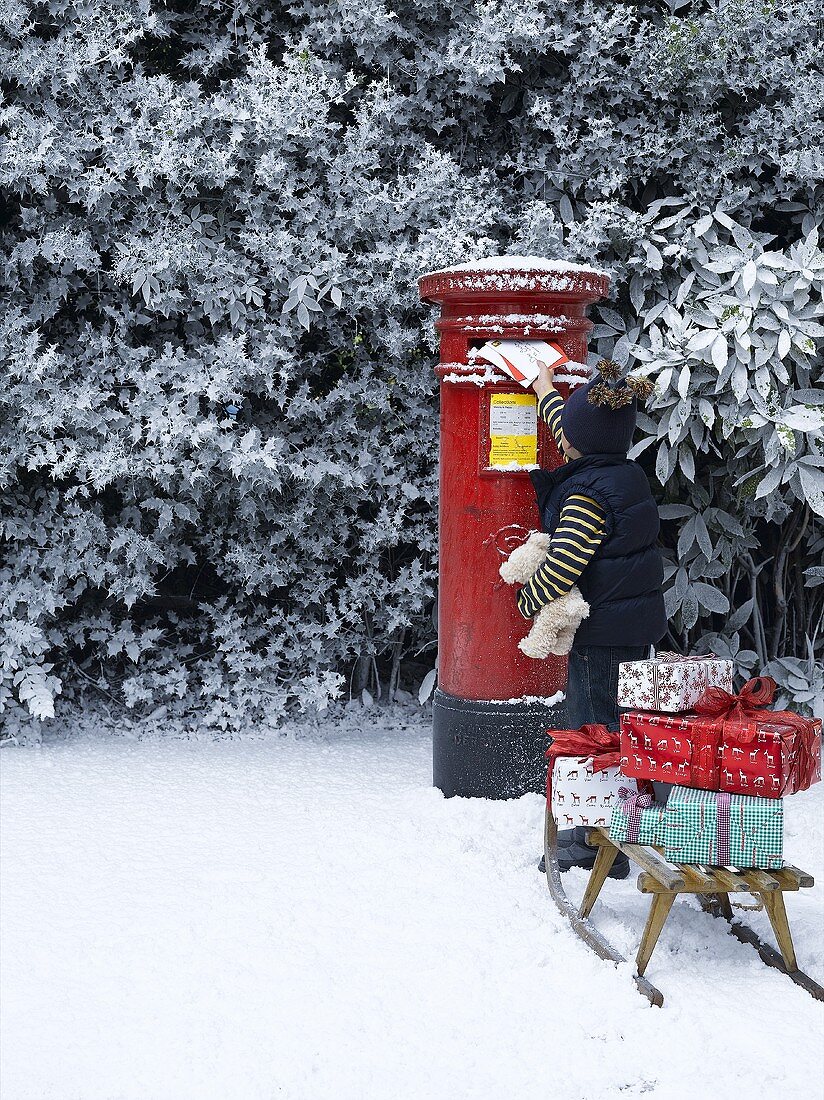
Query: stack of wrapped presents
[[721, 764]]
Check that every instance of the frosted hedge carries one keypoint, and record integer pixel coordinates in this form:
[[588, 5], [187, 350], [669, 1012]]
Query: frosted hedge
[[217, 410]]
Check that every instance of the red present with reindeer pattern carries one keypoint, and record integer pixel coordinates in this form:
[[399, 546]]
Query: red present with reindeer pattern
[[730, 745]]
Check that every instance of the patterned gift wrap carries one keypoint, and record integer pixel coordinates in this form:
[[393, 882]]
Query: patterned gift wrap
[[723, 830], [757, 755], [644, 825], [669, 682], [583, 796]]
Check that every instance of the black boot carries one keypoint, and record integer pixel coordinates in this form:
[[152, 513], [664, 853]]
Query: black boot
[[566, 837], [573, 851]]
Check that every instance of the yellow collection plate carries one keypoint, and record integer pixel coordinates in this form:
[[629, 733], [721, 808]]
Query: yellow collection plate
[[513, 429]]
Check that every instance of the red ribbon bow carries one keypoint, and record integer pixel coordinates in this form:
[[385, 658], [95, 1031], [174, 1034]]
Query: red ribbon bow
[[740, 713], [754, 695], [592, 740], [747, 705]]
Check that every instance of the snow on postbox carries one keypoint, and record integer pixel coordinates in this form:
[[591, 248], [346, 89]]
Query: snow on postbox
[[493, 704]]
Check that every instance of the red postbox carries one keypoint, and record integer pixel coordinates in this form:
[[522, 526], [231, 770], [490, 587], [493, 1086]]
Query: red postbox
[[493, 704]]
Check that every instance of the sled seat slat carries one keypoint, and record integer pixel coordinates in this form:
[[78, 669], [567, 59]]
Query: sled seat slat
[[727, 880], [789, 874], [693, 884], [696, 880], [667, 875], [759, 881]]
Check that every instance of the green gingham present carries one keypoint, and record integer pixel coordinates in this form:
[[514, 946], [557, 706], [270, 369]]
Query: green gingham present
[[722, 829], [637, 819]]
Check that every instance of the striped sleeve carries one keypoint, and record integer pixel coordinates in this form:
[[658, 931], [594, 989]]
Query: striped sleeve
[[550, 408], [581, 530]]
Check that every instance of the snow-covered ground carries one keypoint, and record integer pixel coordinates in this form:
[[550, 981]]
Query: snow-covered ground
[[305, 917]]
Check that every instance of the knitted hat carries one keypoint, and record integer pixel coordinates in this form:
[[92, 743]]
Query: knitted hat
[[599, 418]]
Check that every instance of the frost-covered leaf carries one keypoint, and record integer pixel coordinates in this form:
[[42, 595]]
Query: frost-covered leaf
[[720, 352], [803, 419], [702, 535], [711, 598], [770, 482], [740, 616], [654, 257], [427, 685], [812, 482], [689, 610], [674, 511], [662, 463], [613, 318]]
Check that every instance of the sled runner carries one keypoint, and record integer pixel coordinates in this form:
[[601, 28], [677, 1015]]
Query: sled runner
[[665, 881], [582, 926]]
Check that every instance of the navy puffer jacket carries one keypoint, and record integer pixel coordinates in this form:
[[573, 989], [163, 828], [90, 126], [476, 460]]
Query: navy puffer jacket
[[623, 582]]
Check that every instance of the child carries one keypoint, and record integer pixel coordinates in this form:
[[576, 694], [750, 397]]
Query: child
[[599, 510]]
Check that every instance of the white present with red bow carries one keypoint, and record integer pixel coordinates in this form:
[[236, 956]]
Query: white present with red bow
[[670, 683], [583, 777]]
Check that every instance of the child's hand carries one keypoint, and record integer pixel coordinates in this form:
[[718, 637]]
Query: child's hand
[[544, 383]]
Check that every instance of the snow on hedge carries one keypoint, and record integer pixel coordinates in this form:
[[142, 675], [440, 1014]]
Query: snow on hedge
[[218, 410]]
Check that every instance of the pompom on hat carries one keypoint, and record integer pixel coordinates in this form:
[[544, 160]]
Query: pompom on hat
[[599, 418]]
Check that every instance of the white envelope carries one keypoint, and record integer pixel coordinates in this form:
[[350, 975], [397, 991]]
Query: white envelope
[[520, 358]]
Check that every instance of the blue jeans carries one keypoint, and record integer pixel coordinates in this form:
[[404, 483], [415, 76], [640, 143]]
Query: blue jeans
[[592, 696], [592, 688]]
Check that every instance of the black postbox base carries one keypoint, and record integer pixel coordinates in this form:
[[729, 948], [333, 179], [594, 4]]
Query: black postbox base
[[490, 750]]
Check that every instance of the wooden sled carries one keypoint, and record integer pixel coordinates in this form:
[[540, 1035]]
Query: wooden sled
[[665, 881]]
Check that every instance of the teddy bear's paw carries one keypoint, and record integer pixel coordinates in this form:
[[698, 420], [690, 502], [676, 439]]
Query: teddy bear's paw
[[540, 640], [571, 610], [512, 570], [539, 540], [578, 603], [563, 643], [525, 559], [547, 623], [531, 647]]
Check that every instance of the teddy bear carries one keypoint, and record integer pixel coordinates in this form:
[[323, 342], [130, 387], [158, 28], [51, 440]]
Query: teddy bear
[[554, 626]]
